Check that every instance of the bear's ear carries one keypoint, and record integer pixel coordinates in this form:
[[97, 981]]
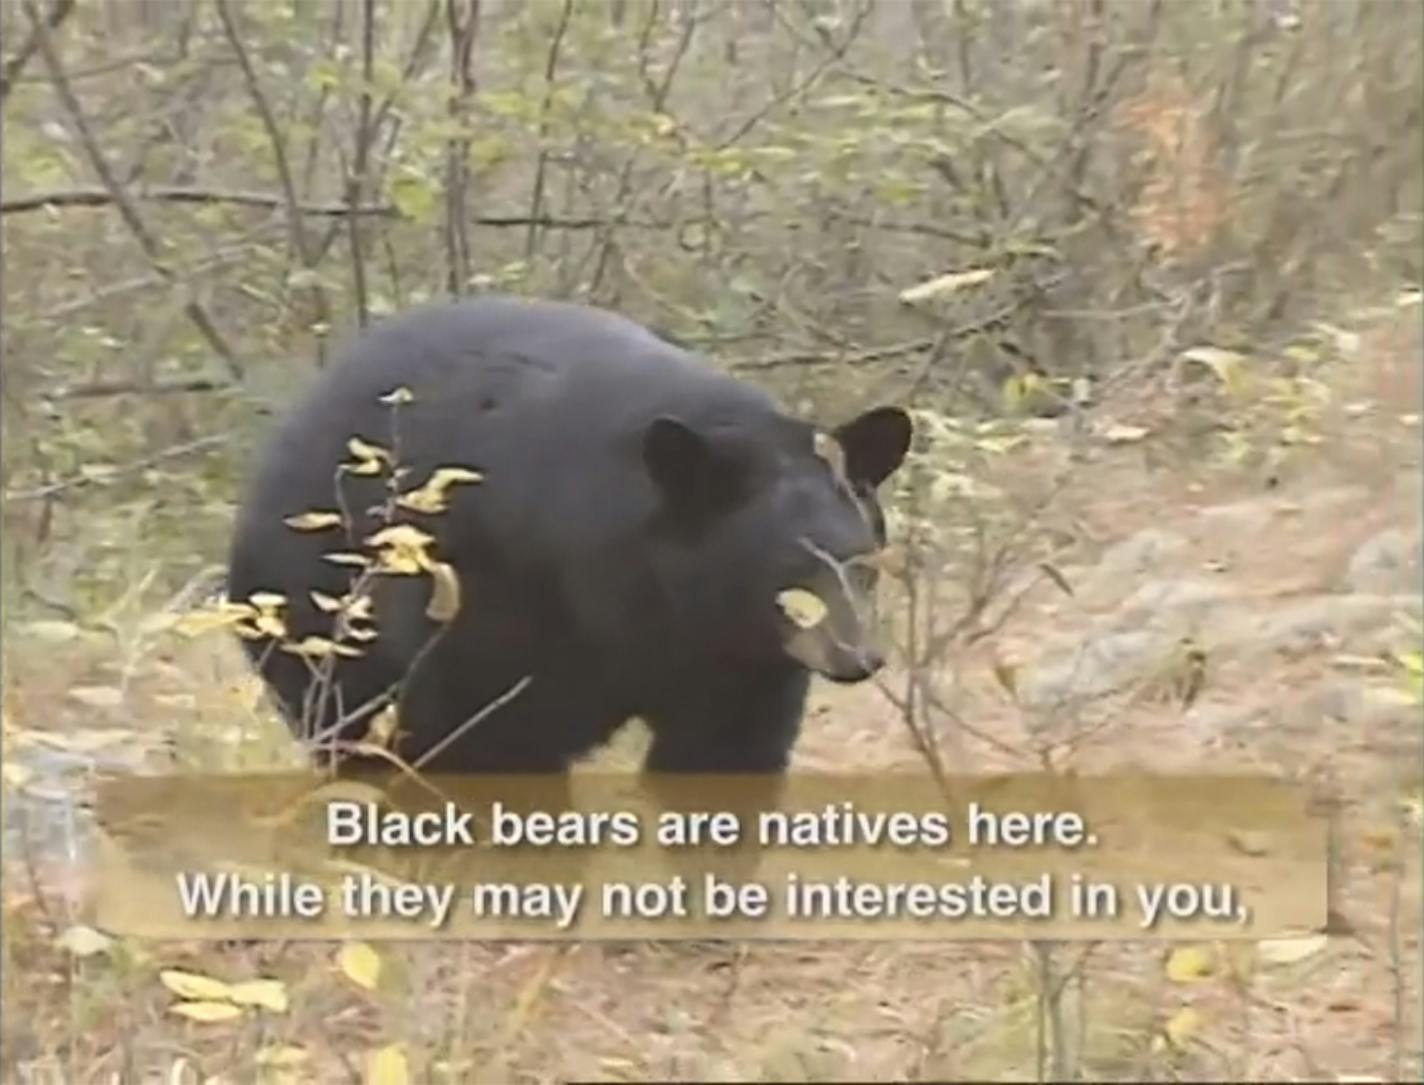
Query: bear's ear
[[875, 445], [695, 478]]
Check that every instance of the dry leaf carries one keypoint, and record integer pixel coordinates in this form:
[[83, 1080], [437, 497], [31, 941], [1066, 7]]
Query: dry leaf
[[281, 1057], [269, 995], [1120, 433], [383, 727], [442, 477], [98, 696], [347, 559], [1187, 964], [207, 1012], [445, 596], [193, 985], [803, 607], [1290, 950], [1181, 1026], [387, 1066], [315, 647], [83, 941], [365, 451], [313, 521], [945, 284], [1226, 364], [361, 964]]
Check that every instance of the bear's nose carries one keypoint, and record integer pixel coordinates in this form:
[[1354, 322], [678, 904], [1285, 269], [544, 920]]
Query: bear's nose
[[857, 667]]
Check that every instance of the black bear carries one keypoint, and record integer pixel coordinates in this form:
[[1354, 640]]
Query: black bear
[[632, 532]]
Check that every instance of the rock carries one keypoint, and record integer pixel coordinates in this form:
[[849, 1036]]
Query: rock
[[1101, 665], [1178, 606], [1301, 624], [1388, 561], [1148, 550], [1240, 518]]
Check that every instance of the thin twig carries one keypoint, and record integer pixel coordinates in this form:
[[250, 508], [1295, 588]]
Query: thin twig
[[200, 444]]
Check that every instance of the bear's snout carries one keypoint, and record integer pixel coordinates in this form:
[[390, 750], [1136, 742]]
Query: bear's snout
[[837, 637]]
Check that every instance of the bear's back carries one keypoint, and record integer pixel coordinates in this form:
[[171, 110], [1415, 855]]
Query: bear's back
[[548, 400]]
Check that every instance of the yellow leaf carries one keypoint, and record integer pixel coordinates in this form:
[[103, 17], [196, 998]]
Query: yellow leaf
[[320, 648], [347, 559], [207, 1012], [328, 604], [313, 521], [266, 601], [1120, 433], [402, 549], [1291, 950], [362, 467], [423, 500], [443, 477], [445, 596], [945, 284], [397, 396], [197, 622], [1226, 364], [383, 727], [1181, 1026], [365, 451], [83, 941], [194, 986], [804, 608], [280, 1057], [401, 535], [270, 995], [1187, 964], [387, 1066], [361, 964], [97, 696]]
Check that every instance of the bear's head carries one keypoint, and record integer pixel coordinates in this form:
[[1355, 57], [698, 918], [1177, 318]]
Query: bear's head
[[770, 532]]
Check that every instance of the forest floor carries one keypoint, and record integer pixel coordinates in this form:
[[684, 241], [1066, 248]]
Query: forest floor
[[1302, 594]]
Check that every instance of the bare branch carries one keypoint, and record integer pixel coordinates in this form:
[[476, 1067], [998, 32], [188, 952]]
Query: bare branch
[[551, 66], [16, 64], [146, 240], [296, 223]]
